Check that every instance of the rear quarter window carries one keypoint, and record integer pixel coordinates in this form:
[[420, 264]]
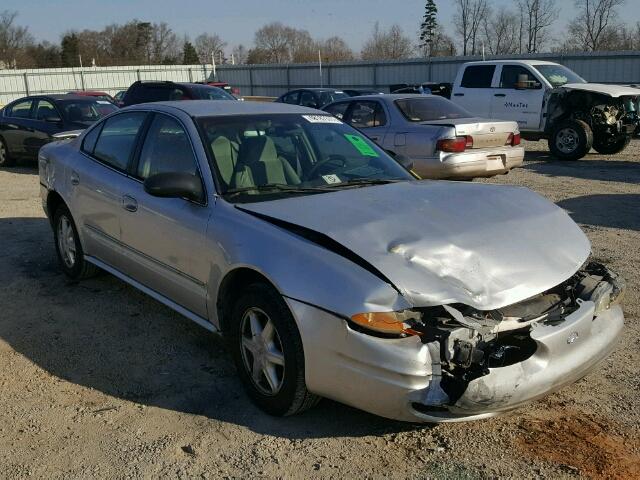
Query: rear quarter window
[[478, 76]]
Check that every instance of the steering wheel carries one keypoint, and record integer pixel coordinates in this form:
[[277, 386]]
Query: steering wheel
[[325, 161]]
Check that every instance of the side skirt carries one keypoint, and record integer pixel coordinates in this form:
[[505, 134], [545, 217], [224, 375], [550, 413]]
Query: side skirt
[[153, 294]]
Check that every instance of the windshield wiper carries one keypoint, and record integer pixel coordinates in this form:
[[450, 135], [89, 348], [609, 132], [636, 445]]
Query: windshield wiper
[[274, 187], [363, 182]]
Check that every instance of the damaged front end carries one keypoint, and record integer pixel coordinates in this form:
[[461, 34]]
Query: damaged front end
[[491, 361]]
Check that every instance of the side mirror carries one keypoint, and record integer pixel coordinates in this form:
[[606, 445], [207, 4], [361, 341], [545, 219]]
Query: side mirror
[[175, 185]]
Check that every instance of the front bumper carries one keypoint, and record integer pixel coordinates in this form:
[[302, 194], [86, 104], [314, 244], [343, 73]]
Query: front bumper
[[400, 378], [470, 164]]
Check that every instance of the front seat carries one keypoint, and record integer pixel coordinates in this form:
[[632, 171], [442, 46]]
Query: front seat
[[225, 153], [259, 164]]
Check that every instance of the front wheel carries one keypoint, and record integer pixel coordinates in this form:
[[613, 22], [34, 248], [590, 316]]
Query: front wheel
[[268, 353], [611, 146], [5, 159], [571, 140], [68, 247]]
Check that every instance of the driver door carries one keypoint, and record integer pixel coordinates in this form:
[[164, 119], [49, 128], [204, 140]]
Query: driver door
[[369, 116], [519, 97]]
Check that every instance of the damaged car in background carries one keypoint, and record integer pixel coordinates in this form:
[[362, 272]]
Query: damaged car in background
[[329, 268]]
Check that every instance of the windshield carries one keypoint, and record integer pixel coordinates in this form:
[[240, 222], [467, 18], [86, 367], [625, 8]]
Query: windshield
[[257, 157], [87, 111], [429, 108], [558, 75], [329, 97], [212, 93]]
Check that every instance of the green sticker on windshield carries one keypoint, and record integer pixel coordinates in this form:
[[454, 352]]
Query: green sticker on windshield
[[361, 145]]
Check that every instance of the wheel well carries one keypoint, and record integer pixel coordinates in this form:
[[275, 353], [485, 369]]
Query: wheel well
[[232, 287], [54, 200]]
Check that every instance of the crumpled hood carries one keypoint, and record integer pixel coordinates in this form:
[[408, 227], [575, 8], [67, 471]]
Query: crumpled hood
[[605, 89], [482, 245]]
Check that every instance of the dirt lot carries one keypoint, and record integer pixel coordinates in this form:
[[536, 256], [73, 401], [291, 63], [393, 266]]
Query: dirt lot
[[98, 380]]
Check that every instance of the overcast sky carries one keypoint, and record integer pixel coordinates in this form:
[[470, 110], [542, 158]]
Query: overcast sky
[[236, 20]]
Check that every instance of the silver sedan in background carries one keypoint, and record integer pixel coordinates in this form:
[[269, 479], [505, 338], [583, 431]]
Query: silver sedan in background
[[442, 139], [329, 268]]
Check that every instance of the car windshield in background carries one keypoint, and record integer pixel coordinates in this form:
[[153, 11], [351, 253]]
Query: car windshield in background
[[212, 93], [86, 112], [558, 75], [429, 108], [257, 157], [329, 97]]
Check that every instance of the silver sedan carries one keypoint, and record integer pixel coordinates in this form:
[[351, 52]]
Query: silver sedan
[[331, 271], [442, 139]]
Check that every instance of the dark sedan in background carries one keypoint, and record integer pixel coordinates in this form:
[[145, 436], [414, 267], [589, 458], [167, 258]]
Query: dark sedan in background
[[163, 91], [30, 122], [312, 97]]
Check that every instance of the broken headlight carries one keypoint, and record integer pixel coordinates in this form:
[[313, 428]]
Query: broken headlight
[[388, 323], [601, 286]]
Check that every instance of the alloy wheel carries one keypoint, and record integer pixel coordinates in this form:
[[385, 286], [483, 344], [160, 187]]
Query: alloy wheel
[[66, 241], [567, 140]]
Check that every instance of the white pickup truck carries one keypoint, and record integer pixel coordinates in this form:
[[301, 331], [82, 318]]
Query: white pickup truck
[[549, 101]]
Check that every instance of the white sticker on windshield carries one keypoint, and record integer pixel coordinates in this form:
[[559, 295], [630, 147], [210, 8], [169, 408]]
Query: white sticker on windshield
[[331, 178], [103, 102], [321, 119]]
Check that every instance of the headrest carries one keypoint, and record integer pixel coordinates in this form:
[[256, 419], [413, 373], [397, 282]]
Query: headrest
[[255, 149]]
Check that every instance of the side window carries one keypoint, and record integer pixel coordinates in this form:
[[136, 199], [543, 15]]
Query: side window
[[118, 138], [20, 109], [515, 76], [166, 149], [90, 139], [367, 115], [291, 98], [46, 111], [478, 76], [338, 109], [308, 99]]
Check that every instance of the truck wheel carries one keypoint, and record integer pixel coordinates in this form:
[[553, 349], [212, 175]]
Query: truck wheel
[[609, 146], [571, 140], [5, 159]]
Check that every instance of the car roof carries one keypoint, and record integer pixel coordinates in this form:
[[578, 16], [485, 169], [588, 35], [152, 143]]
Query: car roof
[[514, 61], [57, 96], [208, 108], [317, 89], [385, 96]]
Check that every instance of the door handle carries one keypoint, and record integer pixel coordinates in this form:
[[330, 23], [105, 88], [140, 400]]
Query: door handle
[[499, 95], [129, 203], [75, 178], [458, 94]]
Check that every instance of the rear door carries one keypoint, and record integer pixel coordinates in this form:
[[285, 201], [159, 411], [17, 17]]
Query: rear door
[[15, 127], [370, 117], [97, 181], [46, 122], [475, 91], [165, 236], [519, 97]]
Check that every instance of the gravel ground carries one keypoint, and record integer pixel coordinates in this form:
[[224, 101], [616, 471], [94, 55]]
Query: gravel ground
[[98, 380]]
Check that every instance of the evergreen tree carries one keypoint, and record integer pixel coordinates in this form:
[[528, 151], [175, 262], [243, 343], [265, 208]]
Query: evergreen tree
[[428, 26], [70, 50], [189, 54]]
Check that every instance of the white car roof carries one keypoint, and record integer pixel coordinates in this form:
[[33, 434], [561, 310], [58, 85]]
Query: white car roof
[[512, 62]]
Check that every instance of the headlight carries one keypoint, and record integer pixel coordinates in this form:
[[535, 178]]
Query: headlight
[[389, 323]]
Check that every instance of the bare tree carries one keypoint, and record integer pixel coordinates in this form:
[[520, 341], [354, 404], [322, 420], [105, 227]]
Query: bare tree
[[594, 20], [272, 42], [207, 44], [469, 17], [391, 44], [335, 49], [165, 47], [442, 44], [240, 54], [14, 39], [501, 32], [537, 16]]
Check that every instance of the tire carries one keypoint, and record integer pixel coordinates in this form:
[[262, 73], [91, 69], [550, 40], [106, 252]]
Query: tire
[[69, 248], [571, 140], [286, 393], [5, 159], [606, 147]]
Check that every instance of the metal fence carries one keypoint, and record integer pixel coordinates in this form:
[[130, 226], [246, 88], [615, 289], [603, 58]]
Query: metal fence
[[18, 83], [273, 80]]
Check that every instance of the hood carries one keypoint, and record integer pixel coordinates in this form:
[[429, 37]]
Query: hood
[[486, 246], [611, 90]]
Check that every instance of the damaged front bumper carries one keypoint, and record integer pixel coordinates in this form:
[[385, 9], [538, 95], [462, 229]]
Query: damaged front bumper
[[409, 378]]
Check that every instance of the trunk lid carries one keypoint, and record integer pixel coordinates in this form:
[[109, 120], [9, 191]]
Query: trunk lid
[[485, 133]]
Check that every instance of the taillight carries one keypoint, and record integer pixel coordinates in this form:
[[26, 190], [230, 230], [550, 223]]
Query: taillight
[[454, 145], [513, 140]]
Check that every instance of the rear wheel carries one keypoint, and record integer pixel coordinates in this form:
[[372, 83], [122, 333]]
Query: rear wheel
[[68, 247], [5, 159], [611, 146], [571, 140], [268, 352]]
